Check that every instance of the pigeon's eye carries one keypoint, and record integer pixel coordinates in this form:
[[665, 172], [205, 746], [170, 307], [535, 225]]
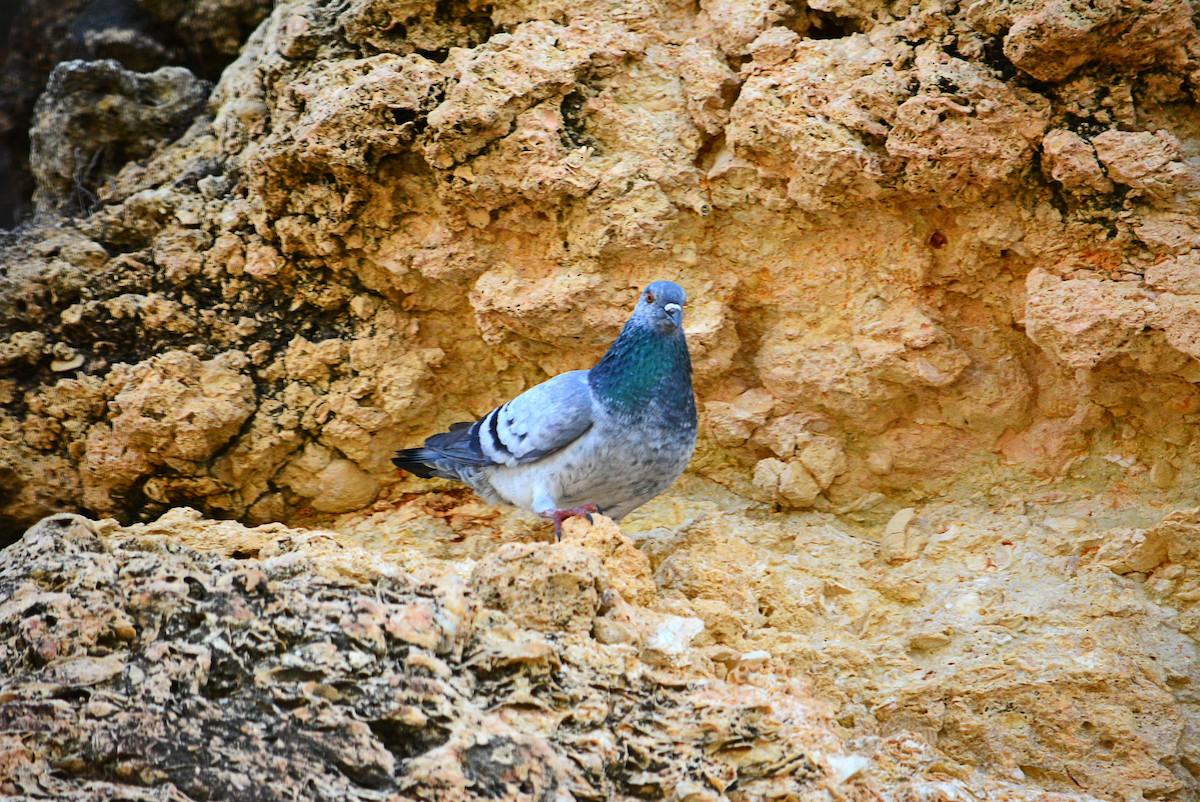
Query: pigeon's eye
[[649, 297]]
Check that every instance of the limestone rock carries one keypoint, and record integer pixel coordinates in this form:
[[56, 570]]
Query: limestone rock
[[550, 589], [141, 36], [95, 114], [391, 200], [1071, 160], [627, 567], [348, 685], [170, 412], [1085, 322], [941, 258], [964, 132], [1051, 39]]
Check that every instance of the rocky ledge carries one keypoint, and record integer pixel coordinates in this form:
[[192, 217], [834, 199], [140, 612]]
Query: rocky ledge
[[276, 664]]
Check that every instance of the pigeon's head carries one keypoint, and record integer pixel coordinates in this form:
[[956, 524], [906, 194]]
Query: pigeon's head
[[662, 305]]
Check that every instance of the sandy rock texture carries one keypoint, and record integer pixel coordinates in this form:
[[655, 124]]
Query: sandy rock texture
[[923, 242], [296, 664], [202, 36], [1046, 639], [944, 264]]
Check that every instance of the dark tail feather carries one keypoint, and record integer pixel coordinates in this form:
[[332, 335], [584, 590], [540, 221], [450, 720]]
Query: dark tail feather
[[418, 461], [442, 454]]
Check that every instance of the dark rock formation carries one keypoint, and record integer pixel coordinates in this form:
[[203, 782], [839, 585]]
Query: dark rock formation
[[94, 117], [201, 35]]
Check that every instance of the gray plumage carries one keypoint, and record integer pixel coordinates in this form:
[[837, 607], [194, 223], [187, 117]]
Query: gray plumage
[[612, 437]]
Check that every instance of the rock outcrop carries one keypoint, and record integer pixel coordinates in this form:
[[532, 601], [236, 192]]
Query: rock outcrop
[[922, 242], [280, 663], [202, 36], [943, 267]]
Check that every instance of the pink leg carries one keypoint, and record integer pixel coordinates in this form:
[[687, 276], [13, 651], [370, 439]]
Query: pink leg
[[558, 516]]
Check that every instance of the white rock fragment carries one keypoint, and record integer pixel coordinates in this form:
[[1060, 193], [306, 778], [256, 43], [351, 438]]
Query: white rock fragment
[[674, 634], [63, 365], [1066, 525], [897, 545], [846, 767]]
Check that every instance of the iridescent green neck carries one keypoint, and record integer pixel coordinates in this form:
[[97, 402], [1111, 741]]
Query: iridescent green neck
[[645, 364]]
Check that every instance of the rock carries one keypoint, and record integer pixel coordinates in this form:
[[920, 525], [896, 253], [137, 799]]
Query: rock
[[732, 423], [897, 543], [788, 481], [213, 675], [736, 25], [174, 411], [628, 568], [940, 257], [797, 485], [94, 116], [824, 458], [306, 679], [1072, 161], [210, 31], [419, 686], [546, 588], [271, 229], [342, 486], [1151, 162], [1050, 39], [1084, 322], [48, 32], [1125, 552], [941, 134], [674, 635]]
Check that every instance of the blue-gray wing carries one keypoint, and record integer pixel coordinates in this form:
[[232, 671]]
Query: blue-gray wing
[[540, 421]]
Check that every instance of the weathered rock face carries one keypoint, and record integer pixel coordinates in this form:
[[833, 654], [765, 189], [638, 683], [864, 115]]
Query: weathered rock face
[[921, 240], [94, 117], [943, 268], [293, 664], [37, 35]]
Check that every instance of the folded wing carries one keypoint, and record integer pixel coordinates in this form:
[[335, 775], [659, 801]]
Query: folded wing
[[535, 424]]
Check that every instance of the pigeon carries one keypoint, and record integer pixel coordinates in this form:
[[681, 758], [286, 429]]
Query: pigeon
[[605, 440]]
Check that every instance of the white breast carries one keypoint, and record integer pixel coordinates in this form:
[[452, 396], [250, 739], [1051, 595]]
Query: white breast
[[539, 486], [616, 471]]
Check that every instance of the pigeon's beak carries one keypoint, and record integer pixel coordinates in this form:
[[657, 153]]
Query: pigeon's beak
[[675, 312]]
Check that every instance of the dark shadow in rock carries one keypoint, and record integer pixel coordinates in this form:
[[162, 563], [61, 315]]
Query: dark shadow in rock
[[36, 35], [94, 117]]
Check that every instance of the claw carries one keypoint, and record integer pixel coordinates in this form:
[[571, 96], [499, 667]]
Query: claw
[[558, 516]]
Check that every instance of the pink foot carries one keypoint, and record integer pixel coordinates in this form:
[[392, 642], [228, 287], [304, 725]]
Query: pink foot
[[558, 516]]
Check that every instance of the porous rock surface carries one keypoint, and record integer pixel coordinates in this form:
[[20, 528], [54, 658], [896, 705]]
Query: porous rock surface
[[279, 662], [37, 35], [943, 267], [922, 241]]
